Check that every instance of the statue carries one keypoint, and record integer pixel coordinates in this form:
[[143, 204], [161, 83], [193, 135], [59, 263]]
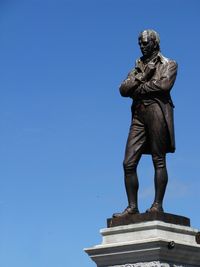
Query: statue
[[152, 127]]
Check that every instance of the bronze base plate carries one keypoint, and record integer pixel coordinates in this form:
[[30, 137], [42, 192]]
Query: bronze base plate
[[147, 217]]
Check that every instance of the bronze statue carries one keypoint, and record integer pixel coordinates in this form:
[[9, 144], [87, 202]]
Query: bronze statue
[[152, 128]]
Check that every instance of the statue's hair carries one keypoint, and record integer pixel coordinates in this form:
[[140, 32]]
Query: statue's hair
[[152, 34]]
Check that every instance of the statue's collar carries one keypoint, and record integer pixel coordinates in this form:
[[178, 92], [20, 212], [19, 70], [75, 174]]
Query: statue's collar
[[157, 56]]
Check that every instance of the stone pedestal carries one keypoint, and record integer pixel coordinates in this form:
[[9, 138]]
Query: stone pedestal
[[147, 244]]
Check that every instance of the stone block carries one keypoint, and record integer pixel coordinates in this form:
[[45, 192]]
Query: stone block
[[147, 244]]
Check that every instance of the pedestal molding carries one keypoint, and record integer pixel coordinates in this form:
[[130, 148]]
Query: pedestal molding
[[147, 243]]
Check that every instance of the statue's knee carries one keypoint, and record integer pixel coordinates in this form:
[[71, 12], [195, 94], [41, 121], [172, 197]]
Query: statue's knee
[[159, 161], [129, 167]]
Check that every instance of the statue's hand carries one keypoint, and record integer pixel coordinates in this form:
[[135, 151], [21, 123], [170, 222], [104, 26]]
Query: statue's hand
[[149, 71], [145, 76]]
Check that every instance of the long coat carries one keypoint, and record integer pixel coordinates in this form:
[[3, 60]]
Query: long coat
[[153, 81]]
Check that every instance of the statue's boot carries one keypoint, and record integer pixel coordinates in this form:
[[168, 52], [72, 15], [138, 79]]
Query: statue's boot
[[130, 210], [156, 207]]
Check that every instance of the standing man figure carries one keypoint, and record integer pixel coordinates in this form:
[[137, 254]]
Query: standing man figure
[[152, 127]]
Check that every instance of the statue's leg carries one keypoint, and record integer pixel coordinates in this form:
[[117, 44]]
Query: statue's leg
[[159, 138], [133, 152], [131, 180], [160, 180], [131, 185]]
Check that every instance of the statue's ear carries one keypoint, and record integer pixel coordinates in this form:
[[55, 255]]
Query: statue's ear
[[156, 46]]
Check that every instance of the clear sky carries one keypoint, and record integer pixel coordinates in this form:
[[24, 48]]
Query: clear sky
[[63, 123]]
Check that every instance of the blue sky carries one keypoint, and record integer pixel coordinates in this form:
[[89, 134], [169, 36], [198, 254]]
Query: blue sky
[[63, 123]]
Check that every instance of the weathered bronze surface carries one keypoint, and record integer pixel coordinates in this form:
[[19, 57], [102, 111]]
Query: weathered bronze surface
[[152, 128], [150, 216]]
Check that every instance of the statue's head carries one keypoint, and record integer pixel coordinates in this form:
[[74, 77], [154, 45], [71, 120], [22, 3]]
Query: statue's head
[[149, 42]]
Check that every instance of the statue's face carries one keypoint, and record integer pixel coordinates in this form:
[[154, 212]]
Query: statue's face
[[147, 45]]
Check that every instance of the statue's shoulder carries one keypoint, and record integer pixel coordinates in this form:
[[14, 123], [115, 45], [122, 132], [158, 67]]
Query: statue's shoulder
[[167, 61], [139, 61], [134, 69]]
